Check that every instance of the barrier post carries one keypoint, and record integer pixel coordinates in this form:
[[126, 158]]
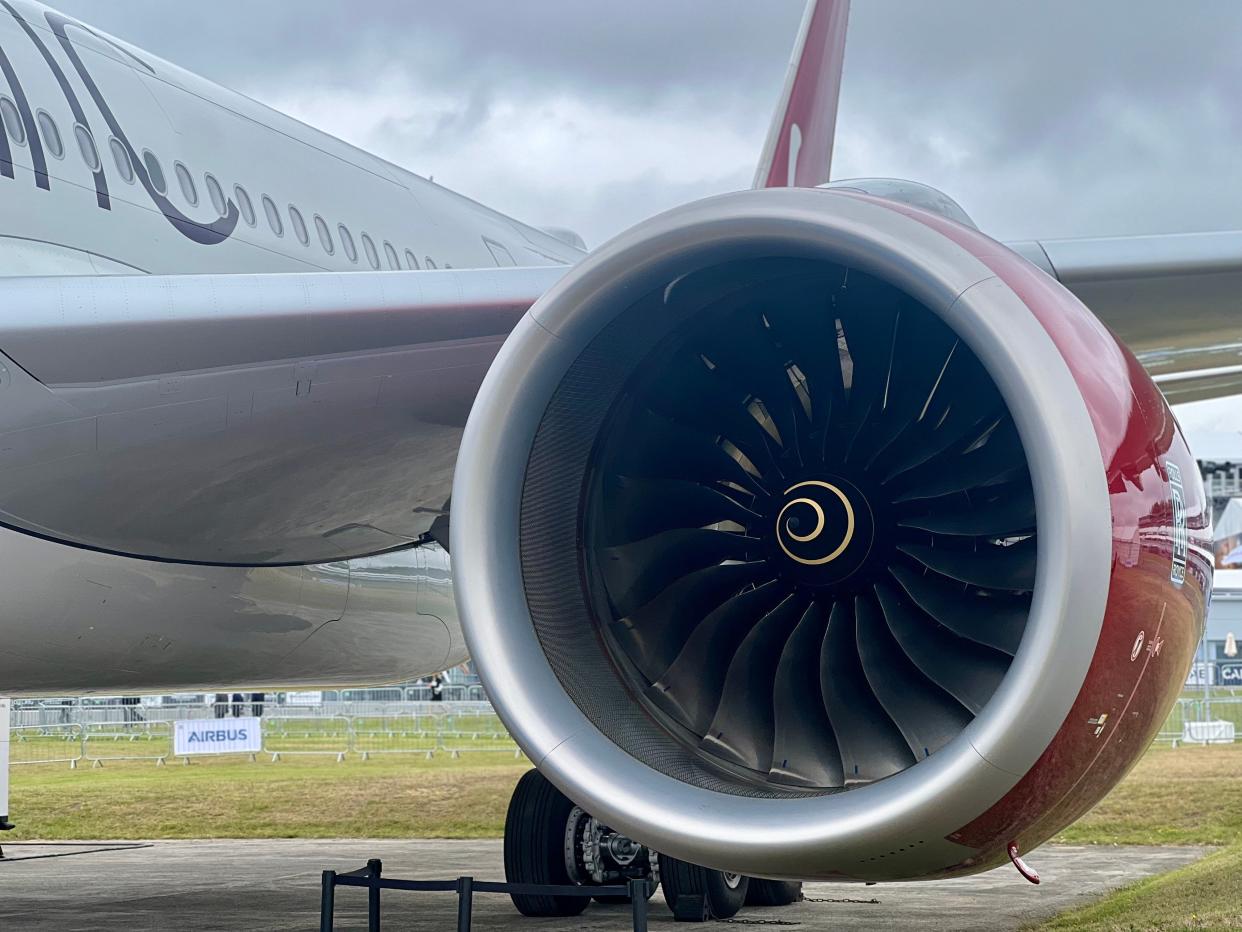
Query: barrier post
[[374, 866], [465, 903], [638, 900], [327, 901]]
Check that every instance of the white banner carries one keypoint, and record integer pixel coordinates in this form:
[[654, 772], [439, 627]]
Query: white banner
[[217, 736], [4, 759], [1195, 676], [1217, 732]]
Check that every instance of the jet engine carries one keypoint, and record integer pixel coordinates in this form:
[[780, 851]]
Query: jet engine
[[804, 533]]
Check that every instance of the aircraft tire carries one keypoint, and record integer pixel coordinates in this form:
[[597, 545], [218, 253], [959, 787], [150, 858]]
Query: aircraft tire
[[773, 892], [534, 846], [722, 895]]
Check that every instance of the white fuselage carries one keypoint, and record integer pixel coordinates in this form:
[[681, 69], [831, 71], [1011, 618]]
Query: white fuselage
[[252, 152], [196, 508]]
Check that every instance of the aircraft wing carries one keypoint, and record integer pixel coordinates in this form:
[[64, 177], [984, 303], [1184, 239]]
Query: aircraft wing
[[244, 419], [1175, 300], [73, 330]]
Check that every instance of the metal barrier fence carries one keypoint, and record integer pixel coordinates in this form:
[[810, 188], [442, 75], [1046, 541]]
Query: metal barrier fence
[[126, 740], [71, 733], [45, 744], [133, 732]]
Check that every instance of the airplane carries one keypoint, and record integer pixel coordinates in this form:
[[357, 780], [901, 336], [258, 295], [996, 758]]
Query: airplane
[[804, 532]]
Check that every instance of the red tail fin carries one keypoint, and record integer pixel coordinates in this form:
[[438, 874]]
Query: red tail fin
[[798, 152]]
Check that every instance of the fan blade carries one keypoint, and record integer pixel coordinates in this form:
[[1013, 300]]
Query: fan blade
[[965, 670], [925, 349], [867, 309], [1000, 512], [999, 459], [934, 439], [961, 407], [743, 727], [995, 619], [990, 566], [748, 356], [922, 348], [871, 746], [699, 398], [843, 433], [662, 449], [643, 507], [655, 633], [689, 690], [635, 573], [927, 716], [804, 750], [800, 317]]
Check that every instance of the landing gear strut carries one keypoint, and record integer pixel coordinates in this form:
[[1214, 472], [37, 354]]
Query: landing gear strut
[[549, 840]]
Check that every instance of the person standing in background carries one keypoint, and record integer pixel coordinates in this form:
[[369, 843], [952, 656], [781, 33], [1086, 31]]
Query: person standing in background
[[129, 705], [437, 688]]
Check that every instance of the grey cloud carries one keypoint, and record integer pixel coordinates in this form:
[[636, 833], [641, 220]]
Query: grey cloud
[[620, 51]]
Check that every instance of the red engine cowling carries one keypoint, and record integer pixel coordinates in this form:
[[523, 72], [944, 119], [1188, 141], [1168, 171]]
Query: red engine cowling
[[806, 534]]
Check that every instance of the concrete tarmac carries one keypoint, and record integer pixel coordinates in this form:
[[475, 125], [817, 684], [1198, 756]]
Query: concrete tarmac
[[264, 886]]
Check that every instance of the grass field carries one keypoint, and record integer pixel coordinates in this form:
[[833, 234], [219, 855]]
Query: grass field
[[400, 796], [1205, 895], [1175, 796], [1188, 795]]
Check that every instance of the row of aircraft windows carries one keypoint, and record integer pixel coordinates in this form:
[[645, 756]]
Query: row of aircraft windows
[[52, 141]]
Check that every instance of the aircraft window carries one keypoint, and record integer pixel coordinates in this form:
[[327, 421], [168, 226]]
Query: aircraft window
[[273, 216], [393, 261], [51, 134], [428, 262], [216, 193], [325, 238], [12, 121], [186, 180], [86, 144], [410, 260], [155, 171], [243, 204], [372, 255], [347, 242], [299, 226], [120, 155]]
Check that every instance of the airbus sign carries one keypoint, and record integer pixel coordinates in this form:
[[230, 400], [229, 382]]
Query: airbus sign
[[218, 736]]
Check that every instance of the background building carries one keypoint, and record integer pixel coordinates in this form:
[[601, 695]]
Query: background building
[[1220, 461]]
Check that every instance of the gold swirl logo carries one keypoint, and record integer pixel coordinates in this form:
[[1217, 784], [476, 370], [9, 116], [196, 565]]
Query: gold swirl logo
[[786, 528]]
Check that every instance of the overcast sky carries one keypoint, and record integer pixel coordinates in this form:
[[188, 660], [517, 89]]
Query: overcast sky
[[1061, 118]]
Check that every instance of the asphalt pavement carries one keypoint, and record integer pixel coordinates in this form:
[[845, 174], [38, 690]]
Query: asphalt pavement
[[264, 886]]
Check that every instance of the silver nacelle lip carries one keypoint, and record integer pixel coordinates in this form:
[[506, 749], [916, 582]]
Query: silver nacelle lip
[[892, 829]]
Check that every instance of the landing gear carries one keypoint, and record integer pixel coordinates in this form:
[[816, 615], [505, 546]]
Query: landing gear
[[549, 840], [596, 855]]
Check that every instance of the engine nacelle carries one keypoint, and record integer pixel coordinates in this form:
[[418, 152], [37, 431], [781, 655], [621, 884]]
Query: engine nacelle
[[802, 533]]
